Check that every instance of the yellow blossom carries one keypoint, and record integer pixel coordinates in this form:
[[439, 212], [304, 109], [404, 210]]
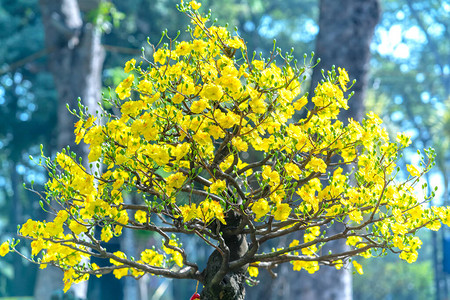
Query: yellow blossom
[[106, 234], [211, 91], [343, 78], [413, 170], [210, 209], [129, 65], [218, 186], [189, 212], [253, 271], [282, 212], [292, 170], [195, 5], [4, 248], [317, 165], [141, 216], [77, 228], [199, 106], [153, 258], [183, 48], [358, 267], [124, 88], [176, 180], [260, 208]]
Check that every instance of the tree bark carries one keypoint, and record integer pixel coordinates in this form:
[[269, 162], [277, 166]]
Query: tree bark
[[346, 31], [231, 284], [75, 59]]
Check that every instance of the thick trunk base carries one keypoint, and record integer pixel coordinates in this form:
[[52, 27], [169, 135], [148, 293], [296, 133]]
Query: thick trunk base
[[231, 287]]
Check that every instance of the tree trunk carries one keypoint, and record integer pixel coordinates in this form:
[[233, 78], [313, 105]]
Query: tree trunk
[[231, 284], [75, 59], [231, 287], [346, 31]]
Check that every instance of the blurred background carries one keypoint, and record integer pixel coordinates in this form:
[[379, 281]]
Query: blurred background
[[52, 52]]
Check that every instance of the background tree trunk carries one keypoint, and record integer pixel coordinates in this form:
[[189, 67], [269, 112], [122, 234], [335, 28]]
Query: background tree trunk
[[75, 59], [346, 31]]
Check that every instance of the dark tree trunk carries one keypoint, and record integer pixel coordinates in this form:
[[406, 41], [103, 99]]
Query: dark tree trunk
[[231, 287], [346, 31], [221, 282], [75, 59]]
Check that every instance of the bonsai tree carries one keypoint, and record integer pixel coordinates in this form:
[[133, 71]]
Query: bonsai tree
[[221, 145]]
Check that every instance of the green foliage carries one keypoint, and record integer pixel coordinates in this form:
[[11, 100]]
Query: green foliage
[[105, 16]]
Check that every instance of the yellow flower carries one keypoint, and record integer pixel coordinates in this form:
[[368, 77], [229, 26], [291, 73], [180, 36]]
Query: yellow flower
[[94, 153], [202, 138], [403, 139], [358, 267], [189, 212], [141, 216], [106, 234], [182, 150], [176, 256], [413, 170], [258, 64], [292, 170], [178, 98], [294, 243], [77, 228], [61, 217], [258, 105], [211, 91], [176, 180], [282, 213], [129, 65], [343, 78], [353, 240], [240, 145], [218, 186], [338, 264], [145, 86], [37, 246], [300, 103], [236, 43], [195, 5], [160, 56], [4, 248], [434, 225], [153, 258], [123, 90], [210, 209], [272, 176], [317, 165], [183, 48], [260, 208], [253, 271], [310, 266], [410, 257], [198, 106], [131, 108]]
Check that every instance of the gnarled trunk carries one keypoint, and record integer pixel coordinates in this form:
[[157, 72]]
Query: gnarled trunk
[[230, 287], [220, 281]]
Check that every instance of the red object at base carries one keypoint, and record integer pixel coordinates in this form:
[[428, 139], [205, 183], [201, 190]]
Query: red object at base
[[195, 296]]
